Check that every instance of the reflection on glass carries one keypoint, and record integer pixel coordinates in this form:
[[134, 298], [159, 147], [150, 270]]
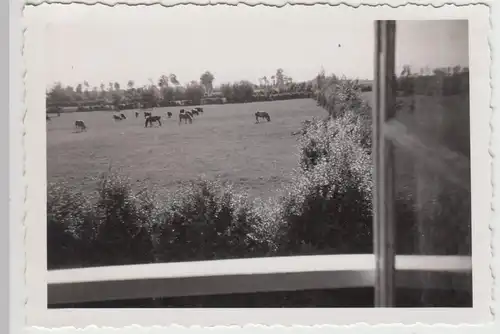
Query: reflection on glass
[[432, 137]]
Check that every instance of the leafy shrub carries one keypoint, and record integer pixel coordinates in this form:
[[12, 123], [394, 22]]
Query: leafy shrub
[[327, 207], [209, 220], [111, 228], [124, 222], [321, 137], [70, 226]]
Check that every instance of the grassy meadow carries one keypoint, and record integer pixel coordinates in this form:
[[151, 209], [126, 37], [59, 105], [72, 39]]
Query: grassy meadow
[[224, 143]]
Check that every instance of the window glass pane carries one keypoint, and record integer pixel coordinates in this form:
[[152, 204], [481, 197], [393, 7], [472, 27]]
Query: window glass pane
[[432, 137], [433, 153]]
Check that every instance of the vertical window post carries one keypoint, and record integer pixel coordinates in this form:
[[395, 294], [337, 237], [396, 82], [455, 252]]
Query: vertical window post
[[383, 158]]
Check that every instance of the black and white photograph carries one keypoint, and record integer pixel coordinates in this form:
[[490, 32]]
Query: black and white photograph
[[256, 157]]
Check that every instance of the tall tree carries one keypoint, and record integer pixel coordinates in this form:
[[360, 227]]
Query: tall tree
[[194, 92], [207, 80], [130, 84], [280, 78], [58, 94], [173, 79], [406, 72], [457, 69], [163, 81]]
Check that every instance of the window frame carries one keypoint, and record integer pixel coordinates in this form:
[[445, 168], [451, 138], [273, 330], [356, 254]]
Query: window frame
[[383, 159]]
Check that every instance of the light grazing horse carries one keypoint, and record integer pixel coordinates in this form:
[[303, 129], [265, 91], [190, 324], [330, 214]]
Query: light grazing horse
[[262, 114], [186, 117], [80, 125], [152, 119]]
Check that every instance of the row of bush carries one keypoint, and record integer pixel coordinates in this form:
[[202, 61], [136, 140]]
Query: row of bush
[[431, 85], [272, 97], [434, 85]]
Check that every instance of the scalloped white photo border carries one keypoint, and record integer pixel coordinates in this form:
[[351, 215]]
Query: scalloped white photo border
[[27, 176]]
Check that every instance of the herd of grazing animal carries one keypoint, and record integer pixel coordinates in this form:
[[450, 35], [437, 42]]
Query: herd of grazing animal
[[184, 115]]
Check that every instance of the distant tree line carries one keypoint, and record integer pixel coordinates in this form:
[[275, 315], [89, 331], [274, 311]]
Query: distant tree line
[[439, 81], [443, 81], [168, 91]]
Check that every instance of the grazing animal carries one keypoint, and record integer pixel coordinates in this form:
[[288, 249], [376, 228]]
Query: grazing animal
[[117, 118], [186, 117], [152, 119], [262, 114], [169, 114], [189, 114], [195, 112], [147, 114], [136, 114], [123, 116], [199, 109], [79, 124], [181, 111]]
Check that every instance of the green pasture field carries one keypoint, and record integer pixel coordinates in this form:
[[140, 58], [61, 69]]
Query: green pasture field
[[223, 142]]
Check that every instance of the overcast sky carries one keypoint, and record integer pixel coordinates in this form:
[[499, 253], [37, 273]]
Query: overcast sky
[[102, 44]]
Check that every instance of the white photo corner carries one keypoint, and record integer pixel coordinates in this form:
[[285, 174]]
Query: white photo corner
[[233, 165]]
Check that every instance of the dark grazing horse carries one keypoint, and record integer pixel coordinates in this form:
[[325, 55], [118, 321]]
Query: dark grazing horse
[[80, 125], [262, 114], [117, 118], [123, 116], [152, 119], [199, 109], [136, 114], [186, 117], [147, 114], [169, 114]]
